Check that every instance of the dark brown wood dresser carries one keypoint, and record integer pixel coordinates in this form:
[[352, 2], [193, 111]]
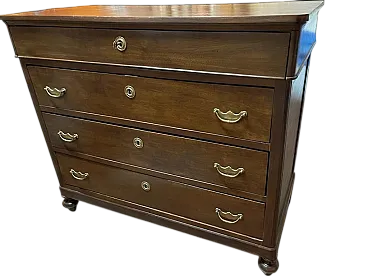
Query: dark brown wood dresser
[[187, 116]]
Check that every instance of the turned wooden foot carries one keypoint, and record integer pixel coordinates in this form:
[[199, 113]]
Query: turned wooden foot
[[267, 266], [70, 204]]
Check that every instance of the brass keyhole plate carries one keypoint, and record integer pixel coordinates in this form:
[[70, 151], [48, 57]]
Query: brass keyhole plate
[[146, 186], [129, 91], [138, 143]]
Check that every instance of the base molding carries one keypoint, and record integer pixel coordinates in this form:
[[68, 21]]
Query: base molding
[[124, 208]]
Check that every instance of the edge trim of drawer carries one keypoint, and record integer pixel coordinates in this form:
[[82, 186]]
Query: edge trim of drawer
[[159, 74], [158, 68]]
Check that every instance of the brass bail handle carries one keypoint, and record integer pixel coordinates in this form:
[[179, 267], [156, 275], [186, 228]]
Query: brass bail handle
[[67, 137], [78, 175], [230, 117], [228, 171], [221, 215], [55, 92]]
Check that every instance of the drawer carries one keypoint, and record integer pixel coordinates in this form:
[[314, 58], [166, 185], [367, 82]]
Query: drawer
[[248, 53], [175, 104], [170, 197], [187, 158]]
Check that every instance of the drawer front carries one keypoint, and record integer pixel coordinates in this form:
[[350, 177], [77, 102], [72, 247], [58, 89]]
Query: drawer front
[[168, 196], [185, 105], [248, 53], [183, 157]]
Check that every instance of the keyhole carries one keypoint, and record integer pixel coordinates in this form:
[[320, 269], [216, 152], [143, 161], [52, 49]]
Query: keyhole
[[146, 186], [129, 91], [138, 143]]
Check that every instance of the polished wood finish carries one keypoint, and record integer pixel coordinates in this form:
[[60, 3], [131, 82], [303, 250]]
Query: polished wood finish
[[277, 12], [185, 158], [189, 181], [40, 119], [159, 128], [159, 73], [279, 27], [126, 185], [176, 223], [292, 127], [245, 53], [282, 215], [276, 160], [281, 170], [302, 43], [283, 153], [182, 61], [173, 104]]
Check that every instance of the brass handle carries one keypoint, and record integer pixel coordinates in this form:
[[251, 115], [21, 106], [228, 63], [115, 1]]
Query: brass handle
[[119, 44], [78, 175], [228, 171], [236, 218], [229, 117], [54, 92], [67, 137]]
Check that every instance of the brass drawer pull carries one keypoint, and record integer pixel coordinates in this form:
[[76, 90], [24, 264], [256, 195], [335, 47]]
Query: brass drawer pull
[[54, 92], [228, 171], [78, 175], [229, 117], [220, 214], [67, 137], [146, 186], [119, 44]]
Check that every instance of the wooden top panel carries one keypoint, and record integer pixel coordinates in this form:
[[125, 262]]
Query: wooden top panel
[[248, 13]]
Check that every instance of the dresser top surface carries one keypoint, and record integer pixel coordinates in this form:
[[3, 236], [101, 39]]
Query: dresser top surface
[[242, 13]]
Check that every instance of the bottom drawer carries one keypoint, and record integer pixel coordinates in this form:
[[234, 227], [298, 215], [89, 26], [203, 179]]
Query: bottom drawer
[[240, 216]]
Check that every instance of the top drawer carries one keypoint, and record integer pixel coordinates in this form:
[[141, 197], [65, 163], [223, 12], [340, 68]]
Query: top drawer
[[248, 53]]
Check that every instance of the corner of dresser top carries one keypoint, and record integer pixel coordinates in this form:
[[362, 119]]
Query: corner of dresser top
[[302, 43]]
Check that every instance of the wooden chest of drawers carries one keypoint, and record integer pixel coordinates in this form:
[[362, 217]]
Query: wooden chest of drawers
[[186, 116]]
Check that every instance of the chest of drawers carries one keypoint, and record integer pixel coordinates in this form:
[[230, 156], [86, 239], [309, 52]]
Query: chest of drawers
[[187, 115]]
